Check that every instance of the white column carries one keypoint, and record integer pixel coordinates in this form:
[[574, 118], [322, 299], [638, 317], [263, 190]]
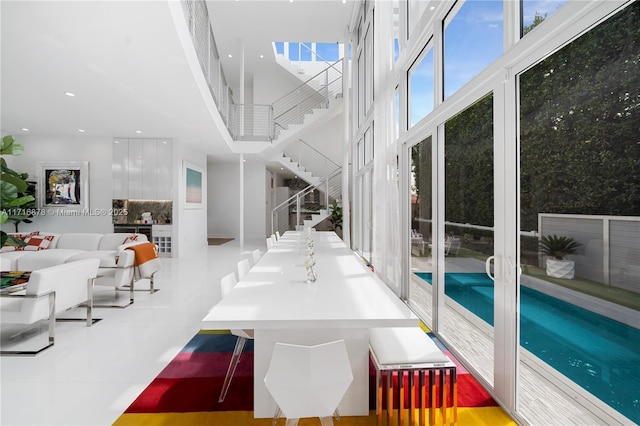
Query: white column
[[346, 216], [241, 132], [241, 177]]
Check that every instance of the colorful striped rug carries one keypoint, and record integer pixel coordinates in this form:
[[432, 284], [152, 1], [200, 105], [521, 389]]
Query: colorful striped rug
[[186, 392]]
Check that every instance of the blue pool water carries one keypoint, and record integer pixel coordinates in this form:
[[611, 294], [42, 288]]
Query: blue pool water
[[599, 354]]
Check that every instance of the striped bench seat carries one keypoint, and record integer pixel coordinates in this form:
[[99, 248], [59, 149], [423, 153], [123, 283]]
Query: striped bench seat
[[400, 351]]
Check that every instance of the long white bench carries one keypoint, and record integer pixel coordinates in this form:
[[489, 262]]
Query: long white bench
[[405, 350]]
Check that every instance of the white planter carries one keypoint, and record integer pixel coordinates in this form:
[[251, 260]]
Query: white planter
[[560, 268]]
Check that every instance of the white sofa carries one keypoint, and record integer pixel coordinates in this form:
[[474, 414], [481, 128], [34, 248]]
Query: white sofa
[[116, 263]]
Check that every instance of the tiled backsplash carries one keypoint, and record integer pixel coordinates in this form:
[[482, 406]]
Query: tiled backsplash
[[161, 211]]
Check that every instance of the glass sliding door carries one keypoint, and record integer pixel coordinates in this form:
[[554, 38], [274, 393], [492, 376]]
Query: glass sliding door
[[466, 239], [421, 232], [580, 181]]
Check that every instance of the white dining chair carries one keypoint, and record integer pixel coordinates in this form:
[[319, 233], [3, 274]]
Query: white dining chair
[[277, 234], [243, 268], [269, 243], [308, 381], [255, 256], [226, 285]]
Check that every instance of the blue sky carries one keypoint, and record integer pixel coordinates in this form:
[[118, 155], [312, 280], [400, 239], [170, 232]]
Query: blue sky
[[473, 40]]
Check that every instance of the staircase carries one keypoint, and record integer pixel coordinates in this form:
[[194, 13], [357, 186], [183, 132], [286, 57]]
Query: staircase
[[308, 207], [314, 94], [306, 162]]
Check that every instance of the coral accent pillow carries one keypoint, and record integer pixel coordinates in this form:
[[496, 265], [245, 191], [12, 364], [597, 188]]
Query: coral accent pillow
[[130, 239], [36, 243], [6, 247]]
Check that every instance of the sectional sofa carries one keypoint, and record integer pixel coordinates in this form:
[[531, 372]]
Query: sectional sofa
[[44, 250]]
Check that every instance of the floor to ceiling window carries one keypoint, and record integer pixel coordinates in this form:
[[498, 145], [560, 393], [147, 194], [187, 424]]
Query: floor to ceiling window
[[535, 134], [421, 207], [468, 234], [580, 180]]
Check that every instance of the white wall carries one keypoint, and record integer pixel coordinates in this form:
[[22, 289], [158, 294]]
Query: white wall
[[191, 223], [224, 202], [272, 83], [97, 152], [223, 187], [255, 200]]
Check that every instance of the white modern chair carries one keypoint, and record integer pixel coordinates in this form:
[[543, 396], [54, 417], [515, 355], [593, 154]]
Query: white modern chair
[[277, 234], [226, 285], [50, 291], [255, 256], [308, 381], [243, 268], [269, 243]]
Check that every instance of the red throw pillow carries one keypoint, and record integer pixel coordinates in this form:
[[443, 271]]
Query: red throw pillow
[[6, 247], [36, 243], [130, 239]]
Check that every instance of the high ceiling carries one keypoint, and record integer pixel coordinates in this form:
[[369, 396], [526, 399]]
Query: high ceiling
[[124, 62], [255, 24]]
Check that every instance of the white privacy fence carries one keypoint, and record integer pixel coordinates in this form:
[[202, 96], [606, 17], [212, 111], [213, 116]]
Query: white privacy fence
[[610, 246]]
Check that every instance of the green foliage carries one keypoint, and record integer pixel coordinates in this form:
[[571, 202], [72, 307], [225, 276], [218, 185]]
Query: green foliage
[[579, 127], [469, 165], [558, 246], [335, 216], [16, 193], [580, 120]]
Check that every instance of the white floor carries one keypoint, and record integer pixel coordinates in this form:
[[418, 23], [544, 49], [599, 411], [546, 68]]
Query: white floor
[[92, 374]]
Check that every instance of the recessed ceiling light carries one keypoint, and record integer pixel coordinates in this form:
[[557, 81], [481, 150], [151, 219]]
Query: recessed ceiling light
[[116, 141], [281, 168], [81, 130], [24, 129], [230, 55], [138, 131], [164, 142], [70, 94], [261, 56]]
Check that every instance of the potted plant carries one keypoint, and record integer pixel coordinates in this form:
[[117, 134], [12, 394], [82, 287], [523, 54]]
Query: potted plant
[[557, 247], [16, 198], [335, 215]]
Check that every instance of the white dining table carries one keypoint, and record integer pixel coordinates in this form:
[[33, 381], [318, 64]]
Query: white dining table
[[275, 301]]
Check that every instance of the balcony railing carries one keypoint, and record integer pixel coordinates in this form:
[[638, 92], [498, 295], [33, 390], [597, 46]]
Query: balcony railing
[[247, 122]]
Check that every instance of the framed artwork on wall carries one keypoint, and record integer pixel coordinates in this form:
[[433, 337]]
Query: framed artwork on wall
[[193, 186], [63, 184]]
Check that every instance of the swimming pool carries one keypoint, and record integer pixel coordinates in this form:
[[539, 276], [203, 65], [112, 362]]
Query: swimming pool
[[599, 354]]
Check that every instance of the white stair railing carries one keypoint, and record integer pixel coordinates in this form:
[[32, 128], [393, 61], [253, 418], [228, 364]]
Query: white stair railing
[[255, 122], [314, 199], [310, 159], [315, 93]]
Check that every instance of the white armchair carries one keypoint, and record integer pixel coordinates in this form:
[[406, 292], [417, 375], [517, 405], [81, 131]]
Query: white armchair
[[119, 276], [49, 292]]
